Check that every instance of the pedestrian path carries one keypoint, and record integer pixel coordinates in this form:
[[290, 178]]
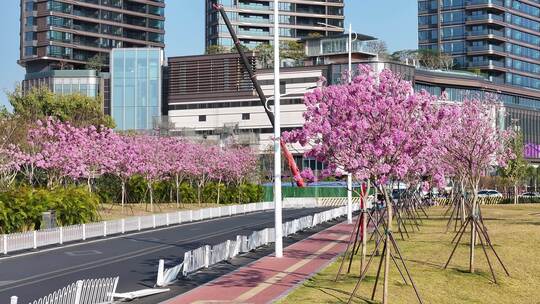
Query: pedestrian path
[[269, 278]]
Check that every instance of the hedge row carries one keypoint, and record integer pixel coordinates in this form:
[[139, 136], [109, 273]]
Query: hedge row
[[21, 208]]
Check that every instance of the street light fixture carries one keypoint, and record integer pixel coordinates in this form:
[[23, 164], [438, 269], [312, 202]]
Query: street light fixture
[[283, 95]]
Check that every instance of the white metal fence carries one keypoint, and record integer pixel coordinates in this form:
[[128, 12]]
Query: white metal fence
[[57, 236], [207, 255], [97, 291], [60, 235]]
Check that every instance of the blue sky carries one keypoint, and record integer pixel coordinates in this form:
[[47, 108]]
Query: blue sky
[[394, 21]]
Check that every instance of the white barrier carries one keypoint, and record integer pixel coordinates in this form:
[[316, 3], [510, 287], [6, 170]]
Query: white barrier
[[40, 238], [60, 235], [97, 291], [205, 256]]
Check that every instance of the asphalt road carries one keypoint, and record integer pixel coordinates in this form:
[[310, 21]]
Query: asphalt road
[[134, 258]]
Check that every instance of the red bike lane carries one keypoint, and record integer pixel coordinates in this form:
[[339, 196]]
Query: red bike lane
[[269, 278]]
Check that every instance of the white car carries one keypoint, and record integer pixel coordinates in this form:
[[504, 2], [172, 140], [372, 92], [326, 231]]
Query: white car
[[489, 193]]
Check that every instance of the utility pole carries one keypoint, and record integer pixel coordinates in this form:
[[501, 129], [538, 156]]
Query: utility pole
[[277, 138]]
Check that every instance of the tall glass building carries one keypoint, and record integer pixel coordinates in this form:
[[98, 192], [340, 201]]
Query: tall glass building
[[67, 34], [253, 20], [136, 80], [499, 38]]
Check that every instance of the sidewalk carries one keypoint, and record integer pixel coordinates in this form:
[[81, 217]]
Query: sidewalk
[[269, 279]]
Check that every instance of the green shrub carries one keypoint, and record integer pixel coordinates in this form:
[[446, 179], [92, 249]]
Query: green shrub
[[74, 205], [21, 208]]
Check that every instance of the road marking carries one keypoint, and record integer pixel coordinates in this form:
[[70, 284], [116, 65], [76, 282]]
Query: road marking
[[83, 252], [145, 239], [281, 275], [122, 257]]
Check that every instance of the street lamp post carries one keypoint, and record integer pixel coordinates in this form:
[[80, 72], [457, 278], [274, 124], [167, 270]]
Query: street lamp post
[[277, 137], [349, 74]]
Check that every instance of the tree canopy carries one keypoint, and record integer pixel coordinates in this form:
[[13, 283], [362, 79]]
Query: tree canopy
[[40, 103]]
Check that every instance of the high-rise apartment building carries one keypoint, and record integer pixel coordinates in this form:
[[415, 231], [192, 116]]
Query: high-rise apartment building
[[498, 38], [66, 34], [253, 20]]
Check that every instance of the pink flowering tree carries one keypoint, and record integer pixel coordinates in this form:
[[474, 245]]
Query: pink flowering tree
[[149, 162], [61, 151], [123, 154], [204, 158], [179, 154], [241, 163], [373, 128], [472, 146], [11, 160]]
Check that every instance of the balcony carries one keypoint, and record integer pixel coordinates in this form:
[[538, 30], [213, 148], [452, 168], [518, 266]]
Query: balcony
[[254, 20], [490, 33], [490, 64], [86, 13], [253, 6], [486, 17], [254, 33], [474, 4], [86, 27], [485, 48]]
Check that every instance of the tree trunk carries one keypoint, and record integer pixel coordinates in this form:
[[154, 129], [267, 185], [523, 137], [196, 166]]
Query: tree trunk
[[123, 194], [462, 199], [388, 244], [151, 197], [199, 185], [218, 186], [363, 206], [177, 191], [474, 214], [515, 194], [89, 185]]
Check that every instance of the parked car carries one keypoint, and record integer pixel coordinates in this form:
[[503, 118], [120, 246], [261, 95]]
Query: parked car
[[530, 194], [489, 193]]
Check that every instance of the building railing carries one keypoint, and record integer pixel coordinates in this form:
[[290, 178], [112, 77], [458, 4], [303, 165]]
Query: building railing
[[485, 17], [480, 2], [486, 32], [477, 48], [488, 63]]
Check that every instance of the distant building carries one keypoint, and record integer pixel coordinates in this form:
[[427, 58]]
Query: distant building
[[86, 82], [500, 39], [211, 100], [66, 34], [253, 20], [136, 87]]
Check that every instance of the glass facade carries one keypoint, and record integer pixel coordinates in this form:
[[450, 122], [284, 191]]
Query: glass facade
[[518, 111], [86, 29], [136, 77], [253, 20], [481, 35]]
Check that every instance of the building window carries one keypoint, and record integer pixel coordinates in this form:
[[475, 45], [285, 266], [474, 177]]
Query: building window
[[246, 116], [29, 21], [202, 117], [29, 51]]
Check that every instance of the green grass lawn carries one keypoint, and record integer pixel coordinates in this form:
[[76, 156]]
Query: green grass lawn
[[108, 212], [515, 233]]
